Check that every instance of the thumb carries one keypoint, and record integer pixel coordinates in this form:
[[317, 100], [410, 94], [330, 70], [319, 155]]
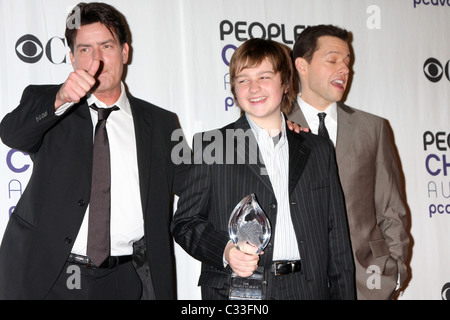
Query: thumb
[[94, 67], [249, 249]]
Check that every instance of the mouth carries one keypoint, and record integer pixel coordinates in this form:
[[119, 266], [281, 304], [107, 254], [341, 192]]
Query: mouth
[[339, 83], [258, 100]]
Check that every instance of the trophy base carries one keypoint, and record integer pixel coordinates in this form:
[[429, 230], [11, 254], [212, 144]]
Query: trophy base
[[250, 288]]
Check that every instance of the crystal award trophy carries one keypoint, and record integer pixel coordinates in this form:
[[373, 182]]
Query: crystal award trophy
[[248, 225]]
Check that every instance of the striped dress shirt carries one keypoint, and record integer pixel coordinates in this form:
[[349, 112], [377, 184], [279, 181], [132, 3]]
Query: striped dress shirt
[[275, 154]]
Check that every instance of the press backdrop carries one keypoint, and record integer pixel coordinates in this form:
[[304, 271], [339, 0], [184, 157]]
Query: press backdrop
[[180, 59]]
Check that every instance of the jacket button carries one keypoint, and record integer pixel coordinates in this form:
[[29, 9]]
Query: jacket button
[[68, 240], [273, 206], [81, 203], [293, 203]]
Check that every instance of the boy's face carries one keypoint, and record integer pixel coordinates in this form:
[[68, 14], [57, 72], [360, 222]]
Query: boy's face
[[259, 91]]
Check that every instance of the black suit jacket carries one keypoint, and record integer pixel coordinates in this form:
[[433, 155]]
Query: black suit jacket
[[44, 225], [213, 187]]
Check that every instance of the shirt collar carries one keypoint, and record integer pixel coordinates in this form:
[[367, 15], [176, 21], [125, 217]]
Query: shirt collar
[[262, 133], [122, 102], [311, 113]]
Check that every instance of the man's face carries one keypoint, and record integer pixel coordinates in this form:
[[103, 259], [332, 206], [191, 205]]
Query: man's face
[[324, 79], [96, 42]]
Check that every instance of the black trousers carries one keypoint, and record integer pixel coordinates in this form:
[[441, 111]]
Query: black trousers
[[78, 282]]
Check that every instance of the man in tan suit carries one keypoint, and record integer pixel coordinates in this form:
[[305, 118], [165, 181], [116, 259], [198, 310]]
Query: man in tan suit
[[367, 162]]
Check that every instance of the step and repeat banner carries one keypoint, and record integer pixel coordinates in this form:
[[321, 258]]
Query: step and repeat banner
[[180, 54]]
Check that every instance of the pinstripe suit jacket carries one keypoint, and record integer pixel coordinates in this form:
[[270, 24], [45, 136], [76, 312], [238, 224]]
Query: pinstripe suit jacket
[[212, 191], [372, 185]]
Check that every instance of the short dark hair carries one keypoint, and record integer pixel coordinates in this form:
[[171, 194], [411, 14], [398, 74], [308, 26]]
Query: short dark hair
[[306, 43], [252, 53], [98, 12]]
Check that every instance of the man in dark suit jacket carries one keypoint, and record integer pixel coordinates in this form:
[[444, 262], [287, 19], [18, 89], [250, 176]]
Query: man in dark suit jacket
[[46, 233], [368, 166], [297, 187]]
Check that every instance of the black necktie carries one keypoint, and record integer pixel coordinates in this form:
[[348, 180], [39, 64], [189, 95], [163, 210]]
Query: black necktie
[[99, 247], [322, 129]]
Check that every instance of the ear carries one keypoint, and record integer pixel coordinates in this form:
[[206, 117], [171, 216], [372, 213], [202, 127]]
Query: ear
[[125, 52], [301, 65], [72, 60]]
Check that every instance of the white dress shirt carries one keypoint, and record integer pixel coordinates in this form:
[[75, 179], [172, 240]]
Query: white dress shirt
[[127, 223], [275, 155], [311, 117]]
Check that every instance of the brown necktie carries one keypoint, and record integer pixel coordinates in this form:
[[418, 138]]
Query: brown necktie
[[99, 247], [322, 129]]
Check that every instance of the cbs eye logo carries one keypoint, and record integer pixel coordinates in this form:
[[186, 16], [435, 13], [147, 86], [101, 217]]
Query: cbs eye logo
[[445, 292], [434, 70], [30, 49]]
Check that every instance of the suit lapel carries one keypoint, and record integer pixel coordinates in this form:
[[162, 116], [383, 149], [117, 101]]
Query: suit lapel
[[85, 130], [248, 148], [298, 157], [143, 132], [297, 116], [345, 131]]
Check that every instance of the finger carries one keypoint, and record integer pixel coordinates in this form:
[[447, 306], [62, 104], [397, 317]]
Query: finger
[[95, 65], [244, 271], [289, 124], [249, 249], [244, 259], [74, 94], [243, 274], [80, 82], [76, 86]]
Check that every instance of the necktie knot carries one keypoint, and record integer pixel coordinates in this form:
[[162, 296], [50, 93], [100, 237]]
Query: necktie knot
[[322, 116], [103, 113]]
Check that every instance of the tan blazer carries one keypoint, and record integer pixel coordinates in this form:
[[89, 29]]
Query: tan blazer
[[372, 184]]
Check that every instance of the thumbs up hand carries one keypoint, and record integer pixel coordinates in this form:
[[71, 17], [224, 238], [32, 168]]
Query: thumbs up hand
[[77, 85]]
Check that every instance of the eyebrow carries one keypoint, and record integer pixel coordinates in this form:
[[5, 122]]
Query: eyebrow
[[335, 52], [82, 45], [240, 75]]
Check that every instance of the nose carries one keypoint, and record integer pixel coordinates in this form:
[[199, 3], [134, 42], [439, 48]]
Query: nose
[[344, 69], [253, 86], [97, 54]]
